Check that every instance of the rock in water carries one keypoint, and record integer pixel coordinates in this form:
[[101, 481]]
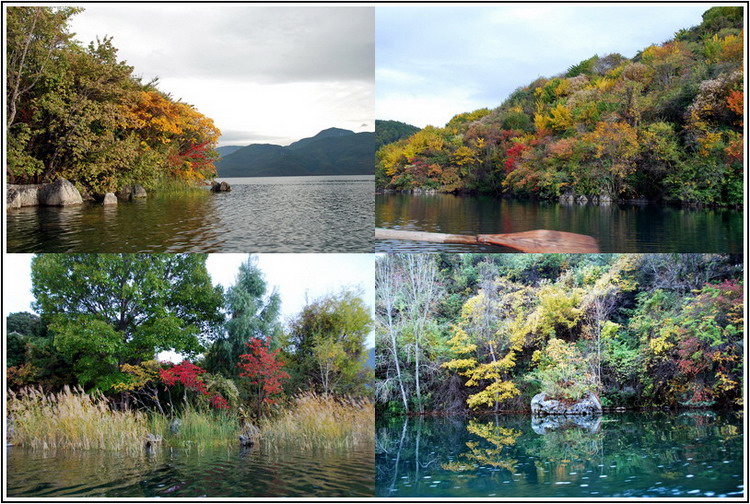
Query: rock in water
[[60, 193], [22, 195], [220, 187], [541, 405], [137, 191], [124, 193], [109, 199], [551, 423]]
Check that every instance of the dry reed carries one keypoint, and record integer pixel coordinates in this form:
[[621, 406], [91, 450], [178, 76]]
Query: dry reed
[[321, 422]]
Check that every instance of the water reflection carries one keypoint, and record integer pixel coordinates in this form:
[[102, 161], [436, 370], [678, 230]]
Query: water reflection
[[218, 472], [617, 227], [645, 454]]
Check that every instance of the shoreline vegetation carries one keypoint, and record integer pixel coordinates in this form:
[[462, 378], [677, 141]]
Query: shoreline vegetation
[[491, 333], [77, 113], [84, 374], [74, 420], [665, 125]]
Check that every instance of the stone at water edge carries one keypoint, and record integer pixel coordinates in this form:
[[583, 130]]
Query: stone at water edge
[[174, 426], [220, 187], [541, 406], [137, 191], [60, 193], [22, 195], [124, 193], [109, 199]]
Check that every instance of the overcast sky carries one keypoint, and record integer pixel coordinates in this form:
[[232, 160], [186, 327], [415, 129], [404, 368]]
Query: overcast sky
[[264, 74], [434, 62], [295, 275]]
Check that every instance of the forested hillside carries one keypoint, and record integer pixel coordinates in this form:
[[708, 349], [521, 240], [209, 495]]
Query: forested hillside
[[471, 331], [665, 124], [77, 112], [391, 131]]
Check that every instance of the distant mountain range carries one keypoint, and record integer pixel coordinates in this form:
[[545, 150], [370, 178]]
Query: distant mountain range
[[333, 151]]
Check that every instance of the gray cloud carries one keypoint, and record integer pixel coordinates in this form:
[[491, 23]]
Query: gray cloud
[[256, 44]]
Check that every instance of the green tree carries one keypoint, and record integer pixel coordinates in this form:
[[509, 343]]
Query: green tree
[[253, 314], [325, 346], [105, 310]]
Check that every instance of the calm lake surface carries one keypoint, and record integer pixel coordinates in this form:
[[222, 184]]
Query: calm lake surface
[[260, 214], [218, 472], [617, 227], [690, 454]]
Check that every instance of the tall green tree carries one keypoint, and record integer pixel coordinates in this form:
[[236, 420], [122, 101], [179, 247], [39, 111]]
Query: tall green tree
[[105, 310], [253, 314]]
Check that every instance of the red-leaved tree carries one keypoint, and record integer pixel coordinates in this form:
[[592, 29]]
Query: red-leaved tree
[[264, 369], [188, 375]]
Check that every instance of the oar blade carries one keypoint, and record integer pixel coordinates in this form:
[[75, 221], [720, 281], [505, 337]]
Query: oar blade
[[544, 241]]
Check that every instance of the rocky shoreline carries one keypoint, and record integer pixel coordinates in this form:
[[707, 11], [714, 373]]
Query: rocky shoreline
[[64, 193]]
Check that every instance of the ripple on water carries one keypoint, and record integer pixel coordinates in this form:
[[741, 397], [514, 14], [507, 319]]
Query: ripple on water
[[314, 214], [172, 473]]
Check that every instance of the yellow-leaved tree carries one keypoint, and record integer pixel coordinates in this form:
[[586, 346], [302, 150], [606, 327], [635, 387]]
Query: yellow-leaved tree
[[485, 342]]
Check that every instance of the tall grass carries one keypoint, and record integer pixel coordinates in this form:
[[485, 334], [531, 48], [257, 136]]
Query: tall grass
[[320, 422], [169, 186], [198, 428], [74, 420]]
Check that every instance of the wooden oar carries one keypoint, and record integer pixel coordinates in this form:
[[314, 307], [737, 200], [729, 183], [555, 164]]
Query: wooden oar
[[537, 241]]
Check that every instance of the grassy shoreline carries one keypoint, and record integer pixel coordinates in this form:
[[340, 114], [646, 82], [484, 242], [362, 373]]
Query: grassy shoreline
[[72, 419]]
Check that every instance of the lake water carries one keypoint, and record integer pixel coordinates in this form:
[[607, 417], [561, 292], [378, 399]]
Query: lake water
[[617, 227], [218, 472], [264, 214], [690, 454]]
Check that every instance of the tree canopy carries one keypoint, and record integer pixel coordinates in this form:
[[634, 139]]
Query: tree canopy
[[77, 112]]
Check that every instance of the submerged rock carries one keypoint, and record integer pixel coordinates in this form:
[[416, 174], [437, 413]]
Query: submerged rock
[[249, 435], [541, 406], [60, 193]]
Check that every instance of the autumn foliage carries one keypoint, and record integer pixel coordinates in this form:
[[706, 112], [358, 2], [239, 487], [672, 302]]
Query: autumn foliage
[[263, 367], [664, 125]]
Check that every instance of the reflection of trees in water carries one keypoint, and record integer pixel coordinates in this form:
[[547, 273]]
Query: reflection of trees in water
[[646, 446], [498, 437]]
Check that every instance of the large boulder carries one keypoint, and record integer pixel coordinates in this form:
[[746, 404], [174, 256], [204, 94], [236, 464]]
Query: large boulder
[[60, 193], [22, 195], [541, 406]]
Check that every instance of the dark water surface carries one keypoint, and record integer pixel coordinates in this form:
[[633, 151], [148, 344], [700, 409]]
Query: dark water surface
[[617, 227], [264, 214], [690, 454], [218, 472]]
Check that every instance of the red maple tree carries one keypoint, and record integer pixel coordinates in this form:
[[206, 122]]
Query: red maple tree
[[263, 367]]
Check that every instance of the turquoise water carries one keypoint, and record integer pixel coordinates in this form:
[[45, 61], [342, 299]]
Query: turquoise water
[[690, 454]]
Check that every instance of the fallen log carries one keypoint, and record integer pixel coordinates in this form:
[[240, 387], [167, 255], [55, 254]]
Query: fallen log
[[537, 241]]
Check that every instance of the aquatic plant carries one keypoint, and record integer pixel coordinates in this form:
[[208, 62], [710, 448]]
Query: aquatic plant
[[320, 422]]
